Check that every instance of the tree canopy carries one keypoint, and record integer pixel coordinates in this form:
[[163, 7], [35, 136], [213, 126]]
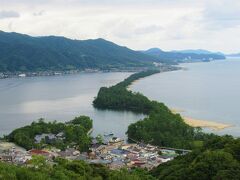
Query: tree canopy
[[74, 131]]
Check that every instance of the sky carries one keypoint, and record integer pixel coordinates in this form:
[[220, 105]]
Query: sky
[[138, 24]]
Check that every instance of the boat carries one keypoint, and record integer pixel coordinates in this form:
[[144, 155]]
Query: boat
[[108, 134], [116, 140]]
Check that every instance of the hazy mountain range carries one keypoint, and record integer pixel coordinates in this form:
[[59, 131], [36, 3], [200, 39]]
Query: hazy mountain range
[[19, 52], [233, 55], [184, 55]]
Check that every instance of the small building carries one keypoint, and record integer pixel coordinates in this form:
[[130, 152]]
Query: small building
[[115, 140], [22, 75], [119, 153], [46, 137], [6, 158], [69, 153], [40, 153], [115, 165], [60, 135]]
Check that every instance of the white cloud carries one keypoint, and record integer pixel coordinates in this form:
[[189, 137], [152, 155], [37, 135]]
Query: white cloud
[[138, 24], [39, 13]]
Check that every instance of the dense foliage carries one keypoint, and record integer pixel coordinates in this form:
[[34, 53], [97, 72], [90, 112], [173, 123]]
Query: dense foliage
[[25, 53], [84, 121], [128, 81], [118, 98], [218, 159], [164, 128], [74, 132], [67, 170]]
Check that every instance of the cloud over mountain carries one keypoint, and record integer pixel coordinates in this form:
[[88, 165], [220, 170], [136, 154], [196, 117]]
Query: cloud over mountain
[[139, 24]]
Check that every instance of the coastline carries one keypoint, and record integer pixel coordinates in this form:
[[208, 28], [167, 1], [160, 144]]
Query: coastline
[[129, 87], [17, 74], [193, 122], [215, 126], [162, 70]]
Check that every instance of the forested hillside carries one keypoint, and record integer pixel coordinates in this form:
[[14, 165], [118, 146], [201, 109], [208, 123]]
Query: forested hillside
[[67, 170], [19, 52], [217, 159]]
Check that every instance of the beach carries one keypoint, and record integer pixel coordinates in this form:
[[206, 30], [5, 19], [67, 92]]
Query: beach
[[206, 124], [202, 123]]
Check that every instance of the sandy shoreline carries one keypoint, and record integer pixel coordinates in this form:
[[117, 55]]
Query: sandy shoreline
[[206, 124], [202, 123], [129, 86]]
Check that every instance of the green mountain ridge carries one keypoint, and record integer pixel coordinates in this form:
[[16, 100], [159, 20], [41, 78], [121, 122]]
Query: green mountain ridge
[[20, 52]]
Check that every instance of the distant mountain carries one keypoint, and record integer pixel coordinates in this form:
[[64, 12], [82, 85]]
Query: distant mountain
[[197, 51], [153, 51], [233, 55], [19, 52], [185, 55]]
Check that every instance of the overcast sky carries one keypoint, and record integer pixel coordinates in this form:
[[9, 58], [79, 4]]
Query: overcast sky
[[138, 24]]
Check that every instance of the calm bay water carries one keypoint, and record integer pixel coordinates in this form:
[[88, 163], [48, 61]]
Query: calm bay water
[[207, 91], [61, 98]]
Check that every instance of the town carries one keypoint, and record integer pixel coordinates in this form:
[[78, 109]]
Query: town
[[22, 74], [111, 151]]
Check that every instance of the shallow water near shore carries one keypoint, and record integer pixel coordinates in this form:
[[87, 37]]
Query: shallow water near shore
[[206, 91]]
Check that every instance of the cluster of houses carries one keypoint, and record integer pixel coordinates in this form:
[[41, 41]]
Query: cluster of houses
[[44, 73], [113, 152], [40, 73], [117, 155], [2, 76], [13, 154], [19, 156], [66, 72]]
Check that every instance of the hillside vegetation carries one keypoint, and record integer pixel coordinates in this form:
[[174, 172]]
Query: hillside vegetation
[[217, 159], [21, 52], [67, 170], [75, 131]]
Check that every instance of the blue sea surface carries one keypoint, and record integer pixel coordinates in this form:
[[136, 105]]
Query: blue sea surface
[[207, 91]]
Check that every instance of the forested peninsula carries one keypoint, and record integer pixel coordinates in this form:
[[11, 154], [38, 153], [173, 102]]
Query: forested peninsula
[[161, 127]]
